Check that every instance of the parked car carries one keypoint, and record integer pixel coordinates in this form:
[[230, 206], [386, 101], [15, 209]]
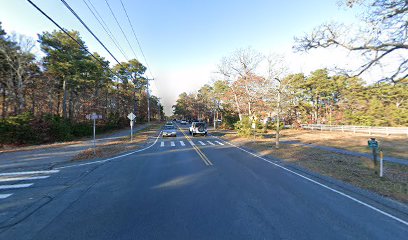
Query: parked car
[[184, 122], [169, 130], [198, 128]]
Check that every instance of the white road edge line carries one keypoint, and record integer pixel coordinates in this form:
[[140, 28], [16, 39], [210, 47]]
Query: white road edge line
[[322, 185], [14, 186], [110, 159], [28, 173], [22, 178], [3, 196]]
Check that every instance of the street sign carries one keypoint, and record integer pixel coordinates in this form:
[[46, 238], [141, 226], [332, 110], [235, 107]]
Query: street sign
[[373, 144], [93, 116], [131, 116]]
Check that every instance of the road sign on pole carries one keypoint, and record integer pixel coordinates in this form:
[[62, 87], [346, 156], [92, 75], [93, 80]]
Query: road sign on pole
[[131, 117], [93, 117]]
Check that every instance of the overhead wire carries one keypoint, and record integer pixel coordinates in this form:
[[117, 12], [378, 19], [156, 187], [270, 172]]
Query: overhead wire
[[137, 40], [105, 27], [89, 30], [127, 40], [69, 35]]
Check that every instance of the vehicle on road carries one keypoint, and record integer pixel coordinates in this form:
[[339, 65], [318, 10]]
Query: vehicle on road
[[184, 122], [169, 131], [198, 128]]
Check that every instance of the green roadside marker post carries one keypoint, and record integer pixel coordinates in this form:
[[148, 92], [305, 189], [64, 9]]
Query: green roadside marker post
[[373, 144]]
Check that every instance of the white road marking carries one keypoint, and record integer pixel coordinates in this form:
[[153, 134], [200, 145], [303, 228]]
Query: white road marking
[[3, 196], [162, 144], [182, 143], [9, 179], [14, 186], [211, 143], [322, 185], [28, 173], [172, 144], [110, 159], [201, 143], [191, 142], [219, 143]]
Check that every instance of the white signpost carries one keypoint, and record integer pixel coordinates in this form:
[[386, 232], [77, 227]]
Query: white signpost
[[93, 117], [131, 117]]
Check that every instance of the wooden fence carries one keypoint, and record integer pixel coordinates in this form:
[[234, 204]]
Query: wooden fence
[[358, 129]]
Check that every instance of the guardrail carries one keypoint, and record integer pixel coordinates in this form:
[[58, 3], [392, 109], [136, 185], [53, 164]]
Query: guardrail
[[358, 129]]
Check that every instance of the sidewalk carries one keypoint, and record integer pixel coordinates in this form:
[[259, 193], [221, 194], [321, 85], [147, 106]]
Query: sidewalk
[[47, 156]]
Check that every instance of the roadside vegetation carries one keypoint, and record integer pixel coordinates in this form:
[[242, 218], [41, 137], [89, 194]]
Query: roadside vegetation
[[46, 99]]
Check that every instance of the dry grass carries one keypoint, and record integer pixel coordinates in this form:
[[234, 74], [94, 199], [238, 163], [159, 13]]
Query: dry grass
[[358, 171], [113, 148], [395, 146]]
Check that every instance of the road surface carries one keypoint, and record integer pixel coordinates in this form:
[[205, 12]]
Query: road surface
[[188, 188]]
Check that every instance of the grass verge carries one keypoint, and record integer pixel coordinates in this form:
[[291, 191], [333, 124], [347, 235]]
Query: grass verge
[[358, 171], [120, 145]]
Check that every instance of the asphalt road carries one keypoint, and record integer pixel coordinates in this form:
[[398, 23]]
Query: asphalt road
[[190, 188]]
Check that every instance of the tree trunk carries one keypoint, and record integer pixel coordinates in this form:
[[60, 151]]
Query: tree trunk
[[236, 103], [64, 99], [278, 121]]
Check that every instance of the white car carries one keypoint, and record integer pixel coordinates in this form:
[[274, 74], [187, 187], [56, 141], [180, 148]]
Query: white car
[[183, 122], [169, 131], [198, 128]]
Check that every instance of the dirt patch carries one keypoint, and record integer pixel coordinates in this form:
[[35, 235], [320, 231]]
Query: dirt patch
[[358, 171], [118, 146]]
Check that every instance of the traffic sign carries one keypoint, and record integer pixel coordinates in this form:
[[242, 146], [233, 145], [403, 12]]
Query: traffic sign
[[131, 116], [373, 144], [93, 116]]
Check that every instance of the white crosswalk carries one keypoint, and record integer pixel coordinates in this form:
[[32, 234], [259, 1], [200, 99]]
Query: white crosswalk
[[16, 181], [183, 144]]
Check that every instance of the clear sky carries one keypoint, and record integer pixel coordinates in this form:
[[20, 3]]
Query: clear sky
[[184, 40]]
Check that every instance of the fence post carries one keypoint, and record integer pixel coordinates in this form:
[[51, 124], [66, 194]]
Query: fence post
[[342, 128], [354, 129], [387, 132], [321, 127], [369, 130]]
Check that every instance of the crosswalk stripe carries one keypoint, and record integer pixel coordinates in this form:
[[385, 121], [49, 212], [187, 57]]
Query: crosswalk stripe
[[3, 196], [182, 143], [9, 179], [172, 144], [162, 144], [211, 143], [28, 173], [14, 186], [201, 143], [219, 142], [191, 142]]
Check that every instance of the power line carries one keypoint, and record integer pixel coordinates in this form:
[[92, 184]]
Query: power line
[[89, 30], [105, 27], [137, 40], [69, 35], [127, 40]]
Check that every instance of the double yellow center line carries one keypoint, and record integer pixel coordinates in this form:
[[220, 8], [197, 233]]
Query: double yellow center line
[[198, 150]]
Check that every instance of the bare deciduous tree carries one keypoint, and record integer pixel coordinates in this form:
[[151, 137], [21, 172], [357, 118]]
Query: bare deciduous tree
[[383, 42]]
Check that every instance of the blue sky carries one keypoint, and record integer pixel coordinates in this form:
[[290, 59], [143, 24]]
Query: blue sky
[[184, 40]]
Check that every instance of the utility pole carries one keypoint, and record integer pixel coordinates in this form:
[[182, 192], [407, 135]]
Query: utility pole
[[148, 100]]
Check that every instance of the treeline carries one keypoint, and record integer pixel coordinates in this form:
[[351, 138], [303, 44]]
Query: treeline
[[253, 85], [51, 95]]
